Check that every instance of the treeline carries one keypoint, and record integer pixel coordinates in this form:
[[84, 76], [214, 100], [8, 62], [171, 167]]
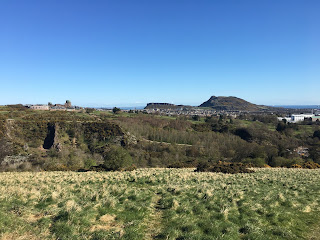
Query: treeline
[[254, 139]]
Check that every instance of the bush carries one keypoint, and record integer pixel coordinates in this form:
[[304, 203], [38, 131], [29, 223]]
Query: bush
[[196, 118], [244, 133], [89, 163], [117, 158], [256, 162], [281, 127], [116, 110], [89, 110], [311, 165], [181, 165], [224, 167], [285, 162], [296, 166], [316, 134]]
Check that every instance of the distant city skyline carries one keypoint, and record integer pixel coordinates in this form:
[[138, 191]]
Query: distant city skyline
[[128, 53]]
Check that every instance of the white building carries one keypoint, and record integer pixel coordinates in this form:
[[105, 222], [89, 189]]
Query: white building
[[288, 119], [296, 117], [300, 117]]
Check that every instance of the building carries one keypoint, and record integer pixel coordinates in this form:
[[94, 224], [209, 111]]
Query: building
[[288, 119], [62, 107], [316, 118], [294, 118], [300, 117], [39, 107], [57, 107], [68, 104]]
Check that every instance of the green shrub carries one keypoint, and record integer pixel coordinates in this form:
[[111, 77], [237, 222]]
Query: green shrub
[[256, 162], [285, 162], [89, 163], [224, 167], [117, 158], [316, 134], [244, 134], [181, 165]]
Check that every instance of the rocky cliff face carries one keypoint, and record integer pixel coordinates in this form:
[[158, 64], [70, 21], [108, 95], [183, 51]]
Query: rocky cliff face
[[21, 141], [165, 106]]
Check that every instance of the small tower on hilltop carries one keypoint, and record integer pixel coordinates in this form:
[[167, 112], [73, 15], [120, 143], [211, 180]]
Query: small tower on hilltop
[[67, 104]]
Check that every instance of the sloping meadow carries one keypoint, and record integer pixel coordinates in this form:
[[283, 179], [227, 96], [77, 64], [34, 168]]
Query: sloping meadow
[[160, 204]]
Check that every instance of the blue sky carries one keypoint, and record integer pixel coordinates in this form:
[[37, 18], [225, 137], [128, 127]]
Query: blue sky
[[118, 53]]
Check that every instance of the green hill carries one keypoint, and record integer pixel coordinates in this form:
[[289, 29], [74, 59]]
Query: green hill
[[232, 103]]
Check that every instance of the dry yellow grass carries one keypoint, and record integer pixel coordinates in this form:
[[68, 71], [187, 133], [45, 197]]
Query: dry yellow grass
[[159, 203]]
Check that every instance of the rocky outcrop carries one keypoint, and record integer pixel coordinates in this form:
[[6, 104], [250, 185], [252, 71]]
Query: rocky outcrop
[[165, 106], [49, 140], [14, 161]]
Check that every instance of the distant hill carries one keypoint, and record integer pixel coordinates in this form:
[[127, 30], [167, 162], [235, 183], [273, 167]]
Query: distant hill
[[165, 106], [233, 103]]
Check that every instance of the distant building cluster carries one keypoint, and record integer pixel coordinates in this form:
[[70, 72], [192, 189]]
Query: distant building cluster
[[190, 112], [294, 118], [55, 107]]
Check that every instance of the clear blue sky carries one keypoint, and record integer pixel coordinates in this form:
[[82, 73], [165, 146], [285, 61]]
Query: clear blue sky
[[133, 52]]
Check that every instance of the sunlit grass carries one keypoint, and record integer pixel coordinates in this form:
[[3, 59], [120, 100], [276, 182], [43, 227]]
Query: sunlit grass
[[160, 204]]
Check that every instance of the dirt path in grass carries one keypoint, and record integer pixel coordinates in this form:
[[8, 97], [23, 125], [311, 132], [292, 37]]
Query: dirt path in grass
[[165, 143], [9, 126], [314, 233], [154, 222]]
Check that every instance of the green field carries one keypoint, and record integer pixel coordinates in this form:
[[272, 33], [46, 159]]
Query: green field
[[160, 204]]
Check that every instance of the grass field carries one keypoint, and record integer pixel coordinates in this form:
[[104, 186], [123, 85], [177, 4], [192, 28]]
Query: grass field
[[160, 204]]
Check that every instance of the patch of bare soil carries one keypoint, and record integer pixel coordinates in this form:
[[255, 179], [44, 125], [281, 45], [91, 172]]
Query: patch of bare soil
[[108, 222]]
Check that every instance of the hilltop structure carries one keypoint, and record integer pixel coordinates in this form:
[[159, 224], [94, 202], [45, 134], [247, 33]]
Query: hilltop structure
[[39, 107], [55, 107]]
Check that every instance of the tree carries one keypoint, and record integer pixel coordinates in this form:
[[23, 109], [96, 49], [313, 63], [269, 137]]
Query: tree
[[89, 110], [116, 110], [315, 153], [244, 134], [117, 158], [316, 134], [281, 127], [196, 118]]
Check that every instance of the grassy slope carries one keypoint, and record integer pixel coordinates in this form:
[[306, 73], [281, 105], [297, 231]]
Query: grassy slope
[[161, 204]]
